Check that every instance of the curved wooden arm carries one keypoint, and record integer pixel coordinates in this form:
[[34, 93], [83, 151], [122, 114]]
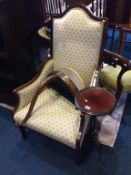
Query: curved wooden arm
[[34, 78], [44, 84], [115, 59], [21, 88], [52, 77], [68, 82]]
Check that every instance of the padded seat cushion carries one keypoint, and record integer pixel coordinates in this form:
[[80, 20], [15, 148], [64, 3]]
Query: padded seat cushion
[[53, 116], [109, 76]]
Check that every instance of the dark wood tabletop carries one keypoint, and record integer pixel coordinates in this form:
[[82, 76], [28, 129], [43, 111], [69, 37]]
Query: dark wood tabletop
[[95, 101]]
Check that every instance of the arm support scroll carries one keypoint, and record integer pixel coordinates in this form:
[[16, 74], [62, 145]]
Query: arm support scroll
[[25, 92], [55, 75]]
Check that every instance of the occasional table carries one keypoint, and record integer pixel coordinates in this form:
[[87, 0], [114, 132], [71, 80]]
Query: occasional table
[[95, 101]]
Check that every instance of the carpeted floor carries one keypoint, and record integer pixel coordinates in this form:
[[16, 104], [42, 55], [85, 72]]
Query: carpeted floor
[[41, 156]]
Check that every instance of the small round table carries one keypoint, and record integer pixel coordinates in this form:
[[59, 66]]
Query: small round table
[[95, 101]]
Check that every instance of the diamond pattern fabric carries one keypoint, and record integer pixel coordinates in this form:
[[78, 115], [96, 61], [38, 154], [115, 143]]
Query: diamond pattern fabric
[[77, 42], [26, 94], [53, 116]]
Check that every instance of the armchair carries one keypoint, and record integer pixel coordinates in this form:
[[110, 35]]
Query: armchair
[[119, 68], [78, 41], [109, 76]]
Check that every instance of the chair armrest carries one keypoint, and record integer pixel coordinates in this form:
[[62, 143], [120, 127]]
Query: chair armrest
[[115, 59], [26, 92]]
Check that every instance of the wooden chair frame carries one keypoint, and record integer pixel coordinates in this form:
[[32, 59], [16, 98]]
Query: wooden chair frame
[[109, 58]]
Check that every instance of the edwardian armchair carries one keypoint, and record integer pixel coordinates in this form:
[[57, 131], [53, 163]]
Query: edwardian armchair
[[78, 41], [109, 76]]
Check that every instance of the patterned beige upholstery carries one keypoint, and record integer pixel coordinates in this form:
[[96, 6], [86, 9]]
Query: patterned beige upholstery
[[109, 76], [76, 39], [53, 116], [76, 46], [26, 94]]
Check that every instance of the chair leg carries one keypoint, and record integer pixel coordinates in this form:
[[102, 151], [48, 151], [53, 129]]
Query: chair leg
[[78, 154], [94, 132], [23, 132]]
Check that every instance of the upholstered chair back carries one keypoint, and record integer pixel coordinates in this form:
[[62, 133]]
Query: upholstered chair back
[[77, 42]]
